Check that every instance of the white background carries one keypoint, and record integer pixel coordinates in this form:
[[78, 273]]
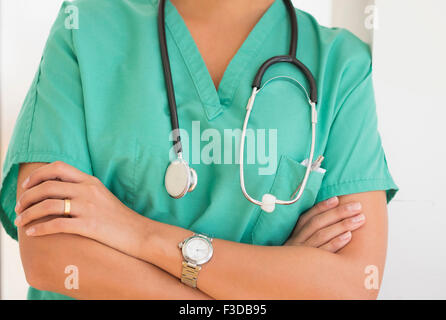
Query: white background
[[409, 53]]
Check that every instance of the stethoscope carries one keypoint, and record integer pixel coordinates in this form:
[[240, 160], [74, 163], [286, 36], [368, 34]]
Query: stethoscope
[[180, 178]]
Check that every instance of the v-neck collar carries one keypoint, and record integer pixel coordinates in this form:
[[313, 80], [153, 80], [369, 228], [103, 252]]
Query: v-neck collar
[[214, 102]]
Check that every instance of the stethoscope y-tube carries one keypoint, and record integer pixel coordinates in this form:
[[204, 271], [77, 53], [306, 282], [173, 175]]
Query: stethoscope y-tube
[[180, 178]]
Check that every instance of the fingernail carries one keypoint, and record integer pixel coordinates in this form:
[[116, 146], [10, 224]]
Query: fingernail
[[25, 183], [354, 207], [332, 201], [30, 231], [346, 236], [17, 206], [18, 220], [358, 218]]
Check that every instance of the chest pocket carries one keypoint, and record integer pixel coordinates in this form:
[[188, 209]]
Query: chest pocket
[[273, 229]]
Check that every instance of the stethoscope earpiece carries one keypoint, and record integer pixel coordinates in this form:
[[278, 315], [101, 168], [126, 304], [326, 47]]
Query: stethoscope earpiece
[[180, 179]]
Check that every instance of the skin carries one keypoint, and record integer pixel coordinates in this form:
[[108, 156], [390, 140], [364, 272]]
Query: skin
[[105, 273], [123, 255], [219, 36]]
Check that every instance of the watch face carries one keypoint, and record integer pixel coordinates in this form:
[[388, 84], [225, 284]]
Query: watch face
[[197, 250]]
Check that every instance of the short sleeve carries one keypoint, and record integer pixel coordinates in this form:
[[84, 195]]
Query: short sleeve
[[51, 124], [354, 156]]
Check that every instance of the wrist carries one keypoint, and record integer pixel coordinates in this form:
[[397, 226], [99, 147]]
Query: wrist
[[147, 239], [159, 246]]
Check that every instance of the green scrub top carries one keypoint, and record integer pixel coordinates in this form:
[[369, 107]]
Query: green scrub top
[[98, 102]]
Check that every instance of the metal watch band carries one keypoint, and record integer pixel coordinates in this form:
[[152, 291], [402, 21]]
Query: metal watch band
[[203, 236], [189, 274]]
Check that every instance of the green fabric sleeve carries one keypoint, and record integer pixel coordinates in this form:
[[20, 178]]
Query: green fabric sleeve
[[354, 157], [51, 123]]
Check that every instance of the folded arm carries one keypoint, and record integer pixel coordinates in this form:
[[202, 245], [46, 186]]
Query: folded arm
[[243, 271], [104, 273], [302, 270]]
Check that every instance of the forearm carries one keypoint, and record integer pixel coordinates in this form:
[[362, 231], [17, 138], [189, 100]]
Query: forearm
[[104, 273], [294, 271], [242, 271]]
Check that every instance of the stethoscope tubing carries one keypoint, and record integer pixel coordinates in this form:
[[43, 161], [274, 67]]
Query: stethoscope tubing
[[312, 100], [287, 59], [257, 80], [304, 182], [168, 79]]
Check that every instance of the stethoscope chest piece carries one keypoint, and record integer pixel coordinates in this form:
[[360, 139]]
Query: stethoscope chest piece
[[180, 179]]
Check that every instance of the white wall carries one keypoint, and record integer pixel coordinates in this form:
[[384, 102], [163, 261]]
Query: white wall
[[321, 9], [351, 14], [409, 68], [409, 51]]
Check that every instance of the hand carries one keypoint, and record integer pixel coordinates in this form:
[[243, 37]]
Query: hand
[[327, 226], [95, 212]]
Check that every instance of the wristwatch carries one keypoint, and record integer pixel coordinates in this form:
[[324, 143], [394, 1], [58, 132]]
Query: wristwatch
[[197, 250]]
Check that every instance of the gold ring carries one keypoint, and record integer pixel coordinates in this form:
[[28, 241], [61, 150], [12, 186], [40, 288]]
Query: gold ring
[[67, 208]]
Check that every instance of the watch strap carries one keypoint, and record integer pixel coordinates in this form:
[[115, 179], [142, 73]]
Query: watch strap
[[189, 274], [203, 236]]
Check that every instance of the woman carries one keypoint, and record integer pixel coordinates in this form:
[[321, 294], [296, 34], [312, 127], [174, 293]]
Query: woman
[[91, 146]]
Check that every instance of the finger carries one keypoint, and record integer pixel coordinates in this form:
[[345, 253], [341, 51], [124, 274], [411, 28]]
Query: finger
[[42, 209], [318, 209], [337, 243], [57, 170], [50, 189], [323, 236], [58, 225], [328, 218]]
